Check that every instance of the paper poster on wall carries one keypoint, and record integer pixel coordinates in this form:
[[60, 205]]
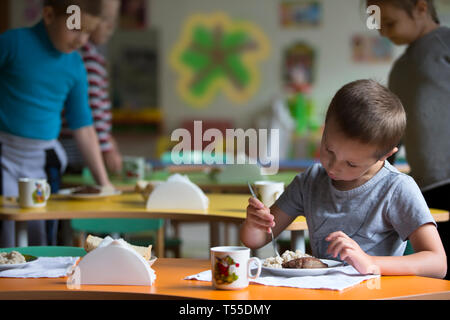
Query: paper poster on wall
[[371, 49], [214, 54], [298, 67], [300, 13], [133, 14]]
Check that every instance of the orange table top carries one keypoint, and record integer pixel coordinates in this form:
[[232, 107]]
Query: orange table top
[[170, 283]]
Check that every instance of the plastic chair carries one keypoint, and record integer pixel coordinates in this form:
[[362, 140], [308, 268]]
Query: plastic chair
[[51, 251], [409, 249], [124, 226]]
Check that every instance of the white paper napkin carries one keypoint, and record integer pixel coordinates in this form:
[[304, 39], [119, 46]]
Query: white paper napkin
[[343, 278], [43, 267]]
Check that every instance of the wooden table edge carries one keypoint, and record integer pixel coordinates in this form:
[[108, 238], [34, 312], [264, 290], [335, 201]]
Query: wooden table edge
[[63, 215]]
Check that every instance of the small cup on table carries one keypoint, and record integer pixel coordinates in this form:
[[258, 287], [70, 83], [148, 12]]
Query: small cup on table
[[33, 193], [231, 267]]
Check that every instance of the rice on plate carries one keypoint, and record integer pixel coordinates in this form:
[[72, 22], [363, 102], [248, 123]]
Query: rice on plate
[[276, 262], [12, 257]]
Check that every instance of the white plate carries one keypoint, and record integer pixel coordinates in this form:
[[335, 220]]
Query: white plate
[[16, 265], [332, 266], [87, 196]]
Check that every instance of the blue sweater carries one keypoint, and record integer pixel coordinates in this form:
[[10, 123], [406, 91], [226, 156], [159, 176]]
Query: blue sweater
[[37, 82]]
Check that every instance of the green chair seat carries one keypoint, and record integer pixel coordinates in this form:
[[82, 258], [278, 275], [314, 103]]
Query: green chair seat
[[118, 225], [51, 251], [409, 249]]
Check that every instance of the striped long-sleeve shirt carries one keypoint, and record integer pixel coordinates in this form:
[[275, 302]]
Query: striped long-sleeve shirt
[[99, 100]]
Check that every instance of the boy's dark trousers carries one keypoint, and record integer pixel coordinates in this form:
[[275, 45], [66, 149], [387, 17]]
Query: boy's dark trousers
[[53, 171], [439, 198]]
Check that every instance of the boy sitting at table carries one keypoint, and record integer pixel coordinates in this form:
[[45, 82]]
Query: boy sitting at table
[[358, 207], [40, 75]]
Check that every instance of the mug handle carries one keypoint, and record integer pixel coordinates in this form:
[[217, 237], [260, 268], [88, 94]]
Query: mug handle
[[48, 191], [276, 195], [249, 272]]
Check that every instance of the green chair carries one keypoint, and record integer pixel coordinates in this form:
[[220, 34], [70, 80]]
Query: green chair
[[52, 251], [126, 226], [409, 249]]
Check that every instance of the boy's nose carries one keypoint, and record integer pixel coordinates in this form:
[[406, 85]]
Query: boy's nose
[[333, 168], [331, 165]]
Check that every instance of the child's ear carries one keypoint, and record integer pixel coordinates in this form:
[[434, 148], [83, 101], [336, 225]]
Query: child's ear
[[390, 153], [421, 8], [48, 14]]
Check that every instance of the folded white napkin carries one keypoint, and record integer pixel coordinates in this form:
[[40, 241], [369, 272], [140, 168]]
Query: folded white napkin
[[43, 267], [343, 278]]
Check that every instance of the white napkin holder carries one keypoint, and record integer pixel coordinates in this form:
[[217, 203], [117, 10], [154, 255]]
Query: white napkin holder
[[115, 264], [178, 192]]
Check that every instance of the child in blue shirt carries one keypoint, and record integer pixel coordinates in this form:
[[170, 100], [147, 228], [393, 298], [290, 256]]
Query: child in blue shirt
[[358, 207], [40, 75]]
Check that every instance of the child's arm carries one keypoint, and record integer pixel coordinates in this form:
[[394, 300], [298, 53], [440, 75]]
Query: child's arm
[[255, 231], [429, 259], [87, 142], [113, 158]]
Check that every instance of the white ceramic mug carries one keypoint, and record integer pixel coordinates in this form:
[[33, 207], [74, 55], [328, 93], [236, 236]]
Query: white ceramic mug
[[133, 168], [33, 193], [268, 191], [230, 267]]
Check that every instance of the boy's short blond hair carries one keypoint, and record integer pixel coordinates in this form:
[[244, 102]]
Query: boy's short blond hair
[[368, 112], [92, 7]]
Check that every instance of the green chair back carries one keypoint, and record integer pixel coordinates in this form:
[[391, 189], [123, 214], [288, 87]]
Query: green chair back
[[52, 251], [119, 225], [409, 249]]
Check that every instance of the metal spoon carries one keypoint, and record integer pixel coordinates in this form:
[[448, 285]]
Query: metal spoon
[[274, 244]]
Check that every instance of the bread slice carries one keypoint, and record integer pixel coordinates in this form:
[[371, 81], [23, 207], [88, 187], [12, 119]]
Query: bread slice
[[92, 242]]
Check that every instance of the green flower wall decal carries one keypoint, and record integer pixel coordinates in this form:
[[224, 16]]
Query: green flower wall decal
[[213, 54]]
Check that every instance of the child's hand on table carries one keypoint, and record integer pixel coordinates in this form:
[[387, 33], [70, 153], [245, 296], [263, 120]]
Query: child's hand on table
[[258, 215], [113, 158], [350, 252], [113, 161]]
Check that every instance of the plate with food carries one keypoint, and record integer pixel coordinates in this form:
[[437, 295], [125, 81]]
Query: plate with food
[[89, 192], [15, 260], [297, 264]]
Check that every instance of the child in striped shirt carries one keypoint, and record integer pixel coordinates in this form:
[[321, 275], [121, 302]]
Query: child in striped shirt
[[99, 100]]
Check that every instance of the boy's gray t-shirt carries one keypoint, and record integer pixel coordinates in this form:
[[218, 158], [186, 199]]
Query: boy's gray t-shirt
[[379, 215]]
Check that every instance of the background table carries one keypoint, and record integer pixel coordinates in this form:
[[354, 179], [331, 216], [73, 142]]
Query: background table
[[169, 284], [222, 208]]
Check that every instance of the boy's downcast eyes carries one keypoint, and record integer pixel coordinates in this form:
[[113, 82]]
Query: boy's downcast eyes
[[351, 165]]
